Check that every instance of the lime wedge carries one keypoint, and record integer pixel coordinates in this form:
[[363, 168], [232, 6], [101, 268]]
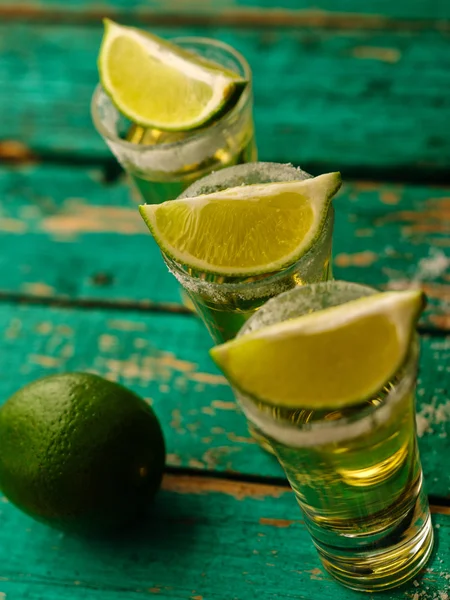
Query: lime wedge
[[157, 84], [327, 359], [243, 230]]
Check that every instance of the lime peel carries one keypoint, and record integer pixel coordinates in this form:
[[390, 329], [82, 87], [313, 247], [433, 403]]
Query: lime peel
[[331, 358], [245, 230]]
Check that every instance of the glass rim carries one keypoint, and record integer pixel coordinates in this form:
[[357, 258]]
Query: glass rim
[[299, 290], [202, 131], [221, 177], [346, 428]]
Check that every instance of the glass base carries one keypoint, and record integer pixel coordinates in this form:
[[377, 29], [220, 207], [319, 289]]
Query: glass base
[[389, 566]]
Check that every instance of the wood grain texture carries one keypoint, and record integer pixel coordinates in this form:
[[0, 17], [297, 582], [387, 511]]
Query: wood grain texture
[[358, 88], [164, 358], [66, 234], [223, 9], [367, 101], [201, 542]]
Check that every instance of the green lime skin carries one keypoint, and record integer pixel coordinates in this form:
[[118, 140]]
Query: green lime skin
[[80, 453]]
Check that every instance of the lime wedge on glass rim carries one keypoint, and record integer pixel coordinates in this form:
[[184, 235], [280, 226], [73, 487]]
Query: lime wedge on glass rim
[[331, 358], [245, 230], [154, 83]]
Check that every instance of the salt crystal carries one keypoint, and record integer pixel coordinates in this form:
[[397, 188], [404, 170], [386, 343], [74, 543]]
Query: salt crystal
[[432, 266]]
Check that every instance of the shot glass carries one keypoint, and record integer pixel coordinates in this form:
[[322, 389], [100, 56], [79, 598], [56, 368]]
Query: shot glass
[[356, 471], [225, 303], [162, 164]]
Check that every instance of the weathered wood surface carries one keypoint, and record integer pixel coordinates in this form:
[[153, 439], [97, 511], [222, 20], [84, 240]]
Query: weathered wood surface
[[164, 358], [206, 539], [366, 101], [380, 12], [67, 234], [360, 87]]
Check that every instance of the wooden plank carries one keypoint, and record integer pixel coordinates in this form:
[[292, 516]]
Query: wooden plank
[[368, 101], [164, 358], [66, 234], [205, 539], [225, 9]]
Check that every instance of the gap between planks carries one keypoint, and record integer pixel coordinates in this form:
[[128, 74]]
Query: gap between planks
[[143, 306], [236, 18], [202, 483], [88, 303], [14, 153]]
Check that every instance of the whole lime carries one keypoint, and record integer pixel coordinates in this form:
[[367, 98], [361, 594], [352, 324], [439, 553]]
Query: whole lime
[[80, 453]]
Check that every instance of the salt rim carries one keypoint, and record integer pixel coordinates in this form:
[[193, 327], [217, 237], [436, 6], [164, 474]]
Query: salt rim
[[246, 174], [173, 156]]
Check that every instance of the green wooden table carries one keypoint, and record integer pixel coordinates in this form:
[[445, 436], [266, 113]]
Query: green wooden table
[[339, 84]]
